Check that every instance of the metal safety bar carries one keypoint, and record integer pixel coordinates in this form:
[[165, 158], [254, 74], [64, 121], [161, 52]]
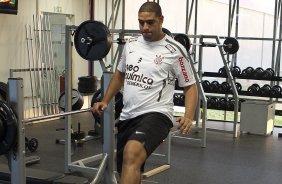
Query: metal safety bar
[[40, 118]]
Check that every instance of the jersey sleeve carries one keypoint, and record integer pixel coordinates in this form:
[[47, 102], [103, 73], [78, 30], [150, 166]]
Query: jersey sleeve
[[122, 64], [183, 70]]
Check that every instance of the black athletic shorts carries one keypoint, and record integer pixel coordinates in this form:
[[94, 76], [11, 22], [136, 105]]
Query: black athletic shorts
[[150, 129]]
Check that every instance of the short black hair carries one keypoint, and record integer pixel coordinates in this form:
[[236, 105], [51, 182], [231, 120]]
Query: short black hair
[[151, 7]]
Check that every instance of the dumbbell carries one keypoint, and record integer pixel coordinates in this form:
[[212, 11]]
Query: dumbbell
[[254, 89], [206, 85], [212, 102], [275, 91], [222, 72], [221, 104], [230, 104], [179, 99], [257, 73], [235, 71], [224, 87], [265, 90], [247, 72], [267, 74], [214, 86]]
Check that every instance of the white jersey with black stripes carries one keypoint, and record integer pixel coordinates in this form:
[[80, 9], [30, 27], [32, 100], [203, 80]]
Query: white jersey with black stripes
[[150, 70]]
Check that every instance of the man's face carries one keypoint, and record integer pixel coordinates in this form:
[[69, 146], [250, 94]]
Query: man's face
[[150, 26]]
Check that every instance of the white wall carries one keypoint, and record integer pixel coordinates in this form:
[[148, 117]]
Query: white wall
[[12, 33], [212, 20]]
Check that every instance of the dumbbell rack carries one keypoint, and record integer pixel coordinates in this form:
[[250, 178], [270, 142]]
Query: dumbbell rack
[[229, 78], [245, 92]]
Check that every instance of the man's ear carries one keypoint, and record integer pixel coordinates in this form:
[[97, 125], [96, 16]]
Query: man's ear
[[162, 19]]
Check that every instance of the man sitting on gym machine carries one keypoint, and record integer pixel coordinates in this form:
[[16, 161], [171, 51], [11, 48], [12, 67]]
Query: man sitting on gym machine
[[147, 70]]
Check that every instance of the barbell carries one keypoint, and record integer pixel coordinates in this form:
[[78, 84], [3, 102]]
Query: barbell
[[230, 44], [93, 40]]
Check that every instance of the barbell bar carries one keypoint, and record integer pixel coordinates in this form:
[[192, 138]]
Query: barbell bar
[[230, 44], [39, 118]]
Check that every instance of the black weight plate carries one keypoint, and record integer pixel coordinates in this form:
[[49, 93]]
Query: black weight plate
[[97, 97], [2, 130], [230, 45], [9, 122], [184, 40], [167, 32], [100, 43], [87, 84], [78, 135], [33, 144], [76, 100], [3, 91]]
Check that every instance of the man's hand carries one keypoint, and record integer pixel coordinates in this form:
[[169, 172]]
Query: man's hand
[[99, 107], [185, 125]]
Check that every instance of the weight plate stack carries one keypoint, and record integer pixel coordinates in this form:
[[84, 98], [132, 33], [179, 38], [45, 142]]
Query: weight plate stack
[[76, 100], [87, 84]]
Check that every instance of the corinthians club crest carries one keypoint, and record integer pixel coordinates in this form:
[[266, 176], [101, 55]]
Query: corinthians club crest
[[159, 59]]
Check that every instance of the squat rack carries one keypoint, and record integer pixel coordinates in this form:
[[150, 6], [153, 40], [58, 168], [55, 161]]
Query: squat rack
[[106, 167]]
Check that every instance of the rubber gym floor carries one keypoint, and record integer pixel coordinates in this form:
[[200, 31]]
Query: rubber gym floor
[[249, 159]]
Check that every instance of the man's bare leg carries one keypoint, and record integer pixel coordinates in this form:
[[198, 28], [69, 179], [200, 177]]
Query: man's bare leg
[[134, 155]]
